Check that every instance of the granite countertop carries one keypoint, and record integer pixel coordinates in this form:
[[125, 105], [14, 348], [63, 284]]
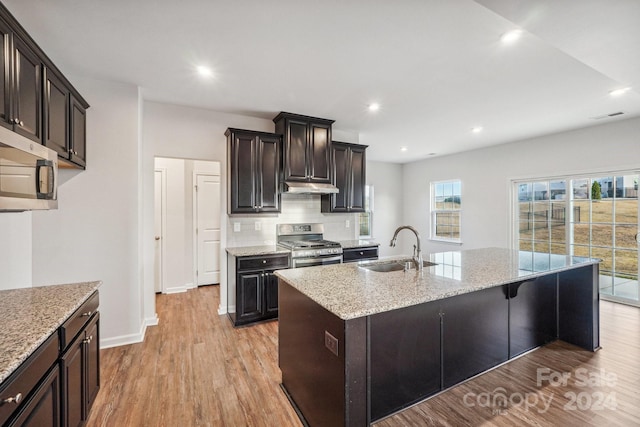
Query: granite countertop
[[350, 291], [256, 250], [350, 244], [30, 315]]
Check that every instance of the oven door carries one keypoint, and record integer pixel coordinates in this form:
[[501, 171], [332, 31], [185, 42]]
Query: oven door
[[309, 262]]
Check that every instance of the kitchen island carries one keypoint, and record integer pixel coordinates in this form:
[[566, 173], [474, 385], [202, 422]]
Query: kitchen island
[[356, 345]]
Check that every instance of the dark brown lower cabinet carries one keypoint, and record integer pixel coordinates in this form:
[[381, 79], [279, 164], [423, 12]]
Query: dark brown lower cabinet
[[360, 254], [43, 408], [254, 287], [81, 375]]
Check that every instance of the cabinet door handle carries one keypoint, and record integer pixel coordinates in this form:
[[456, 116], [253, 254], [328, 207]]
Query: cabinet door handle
[[264, 261], [361, 253], [13, 399], [21, 123], [87, 314]]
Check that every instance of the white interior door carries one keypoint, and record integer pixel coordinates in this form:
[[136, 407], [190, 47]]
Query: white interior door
[[159, 191], [207, 196]]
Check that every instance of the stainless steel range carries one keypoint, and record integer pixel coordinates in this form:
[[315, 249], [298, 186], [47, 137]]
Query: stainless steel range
[[307, 245]]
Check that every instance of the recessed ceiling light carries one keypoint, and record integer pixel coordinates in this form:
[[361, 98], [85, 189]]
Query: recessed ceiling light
[[511, 36], [374, 107], [204, 71], [477, 129], [403, 148], [619, 92]]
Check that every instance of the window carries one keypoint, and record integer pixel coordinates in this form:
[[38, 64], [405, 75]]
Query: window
[[365, 218], [446, 202], [590, 216]]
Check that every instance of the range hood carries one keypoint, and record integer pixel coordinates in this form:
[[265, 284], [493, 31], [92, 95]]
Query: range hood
[[309, 188]]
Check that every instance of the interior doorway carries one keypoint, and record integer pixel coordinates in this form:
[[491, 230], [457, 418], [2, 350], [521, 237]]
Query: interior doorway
[[187, 224]]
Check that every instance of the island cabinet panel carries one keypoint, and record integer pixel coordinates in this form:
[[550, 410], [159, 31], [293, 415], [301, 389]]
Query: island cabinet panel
[[579, 306], [405, 357], [323, 360], [475, 333], [533, 319]]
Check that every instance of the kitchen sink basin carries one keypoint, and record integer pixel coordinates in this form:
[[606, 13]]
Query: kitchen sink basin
[[386, 267]]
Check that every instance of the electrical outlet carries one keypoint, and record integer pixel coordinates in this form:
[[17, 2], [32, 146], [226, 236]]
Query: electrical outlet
[[331, 342], [257, 225], [236, 227], [347, 223]]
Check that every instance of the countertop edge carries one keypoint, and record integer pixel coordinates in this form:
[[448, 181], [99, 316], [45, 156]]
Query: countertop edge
[[354, 314], [22, 357]]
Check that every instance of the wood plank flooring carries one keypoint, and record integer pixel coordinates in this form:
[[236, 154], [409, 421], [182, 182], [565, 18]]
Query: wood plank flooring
[[195, 369]]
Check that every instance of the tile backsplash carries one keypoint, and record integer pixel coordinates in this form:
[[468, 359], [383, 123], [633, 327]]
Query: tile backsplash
[[257, 230]]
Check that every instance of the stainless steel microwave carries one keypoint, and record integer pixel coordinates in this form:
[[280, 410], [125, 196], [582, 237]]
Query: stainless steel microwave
[[28, 174]]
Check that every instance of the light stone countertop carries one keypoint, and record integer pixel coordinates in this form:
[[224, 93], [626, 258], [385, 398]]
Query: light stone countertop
[[257, 250], [30, 315], [350, 244], [350, 291]]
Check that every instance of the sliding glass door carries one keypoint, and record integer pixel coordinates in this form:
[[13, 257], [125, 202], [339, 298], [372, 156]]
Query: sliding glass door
[[591, 216]]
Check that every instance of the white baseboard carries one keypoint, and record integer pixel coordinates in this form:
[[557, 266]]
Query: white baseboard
[[222, 309], [131, 338], [179, 289]]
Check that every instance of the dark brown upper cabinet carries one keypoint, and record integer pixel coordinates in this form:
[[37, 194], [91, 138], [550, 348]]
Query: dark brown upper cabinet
[[22, 85], [38, 102], [65, 122], [254, 161], [307, 143], [350, 176]]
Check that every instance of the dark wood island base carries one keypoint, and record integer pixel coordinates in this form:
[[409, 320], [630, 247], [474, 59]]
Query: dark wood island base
[[354, 372]]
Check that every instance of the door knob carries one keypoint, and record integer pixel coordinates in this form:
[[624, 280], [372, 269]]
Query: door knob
[[157, 237]]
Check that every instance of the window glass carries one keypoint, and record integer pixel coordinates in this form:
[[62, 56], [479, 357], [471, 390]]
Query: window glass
[[446, 204], [365, 218]]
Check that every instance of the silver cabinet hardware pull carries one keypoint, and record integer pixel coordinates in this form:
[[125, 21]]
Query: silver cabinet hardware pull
[[87, 314], [13, 399]]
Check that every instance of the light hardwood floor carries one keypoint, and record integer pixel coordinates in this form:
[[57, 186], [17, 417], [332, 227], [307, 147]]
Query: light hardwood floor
[[195, 369]]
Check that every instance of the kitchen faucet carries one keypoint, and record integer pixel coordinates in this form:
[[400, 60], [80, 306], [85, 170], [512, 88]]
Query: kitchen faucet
[[417, 252]]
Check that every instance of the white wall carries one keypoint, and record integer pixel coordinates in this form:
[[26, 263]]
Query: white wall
[[93, 235], [386, 179], [15, 250], [486, 175], [185, 132]]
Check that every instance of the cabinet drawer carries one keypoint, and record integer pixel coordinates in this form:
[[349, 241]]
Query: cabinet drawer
[[359, 254], [77, 320], [24, 380], [263, 262]]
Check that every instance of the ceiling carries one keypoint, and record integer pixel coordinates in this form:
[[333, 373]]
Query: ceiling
[[437, 68]]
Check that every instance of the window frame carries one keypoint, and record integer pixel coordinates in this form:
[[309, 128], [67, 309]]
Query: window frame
[[368, 203], [434, 211]]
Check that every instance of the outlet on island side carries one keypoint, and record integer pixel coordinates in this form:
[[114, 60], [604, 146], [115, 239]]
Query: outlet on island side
[[331, 342], [347, 224], [258, 226], [236, 227]]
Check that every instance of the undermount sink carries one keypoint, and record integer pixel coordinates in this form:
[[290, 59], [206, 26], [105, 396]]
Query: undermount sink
[[398, 265]]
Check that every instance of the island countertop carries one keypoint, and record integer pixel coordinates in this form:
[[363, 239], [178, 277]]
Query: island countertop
[[30, 315], [350, 291]]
